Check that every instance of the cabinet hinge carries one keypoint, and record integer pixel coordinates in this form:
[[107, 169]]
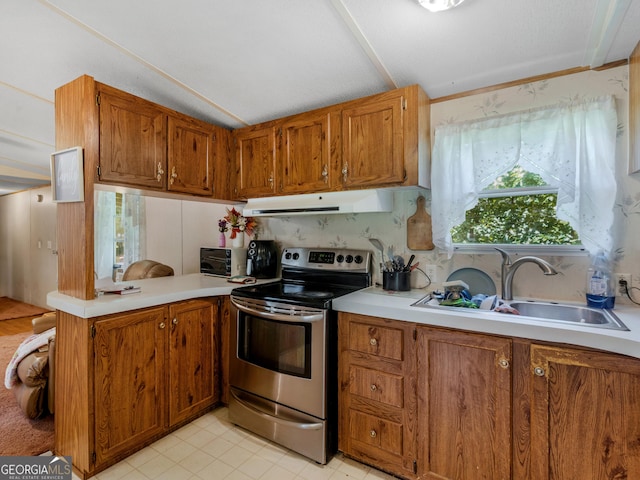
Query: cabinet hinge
[[99, 171], [98, 99], [280, 132], [415, 467], [93, 457], [219, 302], [93, 331], [415, 334], [404, 103], [405, 174]]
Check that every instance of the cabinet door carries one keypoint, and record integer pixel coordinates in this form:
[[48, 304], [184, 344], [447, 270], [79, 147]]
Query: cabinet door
[[132, 140], [308, 155], [464, 405], [190, 156], [193, 354], [129, 386], [255, 161], [373, 142], [585, 415]]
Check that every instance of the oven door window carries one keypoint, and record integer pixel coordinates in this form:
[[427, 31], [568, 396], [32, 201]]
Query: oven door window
[[283, 347]]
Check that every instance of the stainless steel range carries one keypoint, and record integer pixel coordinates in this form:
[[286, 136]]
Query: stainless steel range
[[283, 367]]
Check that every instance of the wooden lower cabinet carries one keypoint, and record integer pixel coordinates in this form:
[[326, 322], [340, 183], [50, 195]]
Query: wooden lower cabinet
[[464, 405], [585, 414], [138, 375], [376, 395], [130, 381], [435, 403]]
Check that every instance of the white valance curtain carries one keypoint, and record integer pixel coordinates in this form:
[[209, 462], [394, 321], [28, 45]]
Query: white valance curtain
[[572, 147]]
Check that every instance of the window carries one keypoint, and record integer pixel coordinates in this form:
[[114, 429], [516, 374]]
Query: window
[[572, 146], [518, 208]]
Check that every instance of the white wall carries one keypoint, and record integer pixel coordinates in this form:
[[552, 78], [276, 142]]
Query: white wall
[[176, 229], [28, 264]]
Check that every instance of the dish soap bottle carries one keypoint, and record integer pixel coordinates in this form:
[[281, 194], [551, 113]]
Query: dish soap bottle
[[600, 293]]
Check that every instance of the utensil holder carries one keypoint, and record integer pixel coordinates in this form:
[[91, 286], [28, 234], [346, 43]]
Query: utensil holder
[[397, 281]]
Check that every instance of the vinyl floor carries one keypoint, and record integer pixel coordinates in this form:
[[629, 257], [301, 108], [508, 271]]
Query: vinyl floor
[[211, 448]]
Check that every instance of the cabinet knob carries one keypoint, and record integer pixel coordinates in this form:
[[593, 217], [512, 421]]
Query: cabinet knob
[[270, 180], [159, 172], [174, 175], [373, 342], [162, 325], [539, 371], [373, 387], [174, 321], [373, 434], [345, 171], [325, 174], [504, 363]]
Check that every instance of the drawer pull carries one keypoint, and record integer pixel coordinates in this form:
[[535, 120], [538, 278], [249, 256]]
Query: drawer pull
[[373, 387], [373, 342]]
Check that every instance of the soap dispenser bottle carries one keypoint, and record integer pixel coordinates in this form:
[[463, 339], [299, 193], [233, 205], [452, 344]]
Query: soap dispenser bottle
[[600, 293]]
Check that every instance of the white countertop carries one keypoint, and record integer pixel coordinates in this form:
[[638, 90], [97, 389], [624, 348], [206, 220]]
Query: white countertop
[[375, 301], [155, 291]]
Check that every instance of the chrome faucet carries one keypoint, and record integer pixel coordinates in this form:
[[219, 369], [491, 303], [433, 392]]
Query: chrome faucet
[[509, 270]]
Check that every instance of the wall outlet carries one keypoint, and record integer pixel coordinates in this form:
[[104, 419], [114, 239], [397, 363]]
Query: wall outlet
[[620, 291]]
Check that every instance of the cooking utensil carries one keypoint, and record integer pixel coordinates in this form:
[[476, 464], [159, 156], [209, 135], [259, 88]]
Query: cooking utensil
[[411, 259], [419, 233]]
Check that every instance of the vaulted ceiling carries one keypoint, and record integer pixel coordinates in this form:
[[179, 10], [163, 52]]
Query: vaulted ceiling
[[240, 62]]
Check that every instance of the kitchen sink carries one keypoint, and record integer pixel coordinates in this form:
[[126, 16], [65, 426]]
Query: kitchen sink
[[594, 317], [546, 311]]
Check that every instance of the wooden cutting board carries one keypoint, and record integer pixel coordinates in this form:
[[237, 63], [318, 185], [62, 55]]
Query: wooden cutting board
[[419, 234]]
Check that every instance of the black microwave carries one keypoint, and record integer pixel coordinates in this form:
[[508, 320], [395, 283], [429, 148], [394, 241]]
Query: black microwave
[[223, 262]]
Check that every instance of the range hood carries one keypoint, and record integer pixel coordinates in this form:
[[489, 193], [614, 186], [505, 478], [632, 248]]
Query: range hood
[[351, 201]]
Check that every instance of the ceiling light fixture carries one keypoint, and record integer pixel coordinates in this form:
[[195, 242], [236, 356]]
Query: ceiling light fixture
[[439, 5]]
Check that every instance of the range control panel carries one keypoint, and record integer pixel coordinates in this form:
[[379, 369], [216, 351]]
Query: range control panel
[[334, 259]]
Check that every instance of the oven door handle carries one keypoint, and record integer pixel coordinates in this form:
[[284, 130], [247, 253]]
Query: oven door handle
[[314, 317], [271, 418]]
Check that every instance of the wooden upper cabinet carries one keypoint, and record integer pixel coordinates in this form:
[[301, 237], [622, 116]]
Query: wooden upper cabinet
[[132, 140], [464, 405], [145, 145], [256, 169], [378, 141], [385, 140], [585, 414], [373, 142], [190, 156], [309, 157]]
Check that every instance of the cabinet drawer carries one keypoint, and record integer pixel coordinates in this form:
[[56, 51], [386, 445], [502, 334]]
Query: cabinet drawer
[[375, 385], [375, 340], [376, 432]]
